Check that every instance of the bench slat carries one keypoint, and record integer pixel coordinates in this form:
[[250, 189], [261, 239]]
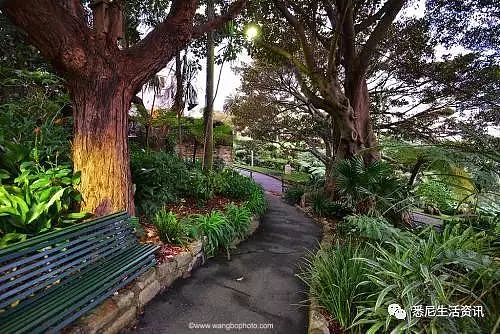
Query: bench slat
[[62, 251], [80, 290], [52, 238]]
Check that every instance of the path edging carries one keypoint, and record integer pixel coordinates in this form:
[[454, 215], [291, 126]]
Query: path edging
[[123, 308]]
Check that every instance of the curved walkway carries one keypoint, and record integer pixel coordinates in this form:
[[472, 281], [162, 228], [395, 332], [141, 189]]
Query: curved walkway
[[269, 183], [258, 286]]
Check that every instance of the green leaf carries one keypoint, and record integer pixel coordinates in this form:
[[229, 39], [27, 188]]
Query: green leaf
[[11, 238], [77, 215], [55, 198]]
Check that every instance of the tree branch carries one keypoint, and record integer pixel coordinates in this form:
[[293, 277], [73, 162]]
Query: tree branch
[[219, 21], [68, 43], [392, 8], [169, 37], [300, 31]]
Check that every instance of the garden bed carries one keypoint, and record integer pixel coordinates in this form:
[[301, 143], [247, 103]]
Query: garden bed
[[192, 206]]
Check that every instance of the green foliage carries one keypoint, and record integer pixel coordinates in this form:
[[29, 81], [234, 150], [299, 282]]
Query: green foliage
[[455, 266], [335, 278], [257, 202], [432, 193], [294, 194], [362, 184], [235, 185], [438, 269], [239, 218], [39, 201], [34, 114], [449, 176], [218, 232], [172, 230], [201, 186], [374, 228], [324, 207], [159, 178]]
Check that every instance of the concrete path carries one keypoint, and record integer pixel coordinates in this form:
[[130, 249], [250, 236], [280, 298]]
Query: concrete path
[[267, 182], [256, 289]]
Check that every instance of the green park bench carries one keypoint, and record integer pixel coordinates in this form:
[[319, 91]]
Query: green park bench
[[49, 281]]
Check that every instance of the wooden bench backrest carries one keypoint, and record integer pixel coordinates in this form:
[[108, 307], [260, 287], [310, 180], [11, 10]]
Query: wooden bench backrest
[[29, 267]]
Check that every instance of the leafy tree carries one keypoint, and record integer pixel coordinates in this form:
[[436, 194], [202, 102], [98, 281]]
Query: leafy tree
[[329, 46], [103, 76]]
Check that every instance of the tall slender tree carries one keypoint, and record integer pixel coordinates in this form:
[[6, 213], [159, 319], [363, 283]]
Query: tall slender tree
[[208, 113], [103, 77]]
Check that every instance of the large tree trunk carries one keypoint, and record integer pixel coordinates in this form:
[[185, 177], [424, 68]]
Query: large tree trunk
[[100, 145], [355, 124], [208, 148]]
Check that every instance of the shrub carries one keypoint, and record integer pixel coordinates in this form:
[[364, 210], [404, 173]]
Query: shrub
[[335, 279], [217, 231], [219, 164], [235, 185], [433, 193], [324, 207], [172, 230], [455, 266], [159, 178], [34, 113], [200, 185], [436, 270], [294, 194], [257, 202], [366, 186], [239, 218], [39, 201], [374, 228]]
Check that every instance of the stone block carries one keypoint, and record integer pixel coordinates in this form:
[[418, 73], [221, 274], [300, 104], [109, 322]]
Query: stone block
[[100, 316], [123, 321], [148, 293], [124, 298], [167, 273], [146, 278], [195, 247], [195, 263], [183, 259], [317, 324]]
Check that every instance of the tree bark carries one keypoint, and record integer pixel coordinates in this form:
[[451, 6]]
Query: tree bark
[[356, 125], [208, 148], [100, 145]]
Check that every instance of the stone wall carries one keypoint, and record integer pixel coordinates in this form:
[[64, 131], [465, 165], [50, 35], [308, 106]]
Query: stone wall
[[225, 153], [123, 308]]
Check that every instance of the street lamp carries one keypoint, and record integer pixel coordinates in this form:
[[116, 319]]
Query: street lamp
[[252, 31]]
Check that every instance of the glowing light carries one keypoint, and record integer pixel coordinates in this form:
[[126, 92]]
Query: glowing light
[[252, 32]]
